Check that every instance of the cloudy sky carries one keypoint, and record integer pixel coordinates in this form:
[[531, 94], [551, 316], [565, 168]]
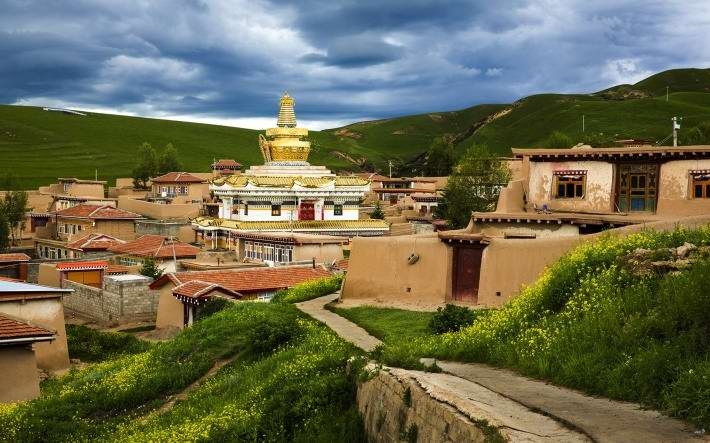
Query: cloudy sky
[[227, 61]]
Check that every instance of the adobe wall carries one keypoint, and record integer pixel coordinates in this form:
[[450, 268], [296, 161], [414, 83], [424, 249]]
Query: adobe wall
[[122, 302], [325, 253], [598, 195], [511, 197], [675, 198], [19, 381], [49, 275], [540, 230], [159, 211], [170, 309], [166, 229], [122, 229], [392, 407], [378, 270], [85, 190], [49, 314]]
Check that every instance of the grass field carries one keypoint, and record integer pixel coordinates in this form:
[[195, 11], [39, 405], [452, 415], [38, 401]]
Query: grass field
[[39, 146], [388, 324]]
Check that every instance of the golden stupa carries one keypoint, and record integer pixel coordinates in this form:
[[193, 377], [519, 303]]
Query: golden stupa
[[284, 142]]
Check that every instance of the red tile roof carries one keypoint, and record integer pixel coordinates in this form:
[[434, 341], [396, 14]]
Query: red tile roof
[[12, 257], [156, 246], [248, 280], [95, 242], [226, 163], [342, 264], [178, 177], [98, 212], [11, 328], [201, 289], [116, 269], [82, 265]]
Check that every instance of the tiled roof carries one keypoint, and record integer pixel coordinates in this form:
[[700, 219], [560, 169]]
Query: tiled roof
[[299, 225], [630, 152], [98, 212], [116, 269], [226, 163], [178, 177], [156, 246], [12, 257], [201, 289], [11, 328], [240, 181], [342, 264], [248, 280], [82, 265], [96, 242]]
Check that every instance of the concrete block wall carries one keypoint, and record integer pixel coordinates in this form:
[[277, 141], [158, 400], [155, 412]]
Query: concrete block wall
[[118, 302]]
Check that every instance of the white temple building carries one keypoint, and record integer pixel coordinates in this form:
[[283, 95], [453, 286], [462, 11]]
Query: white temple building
[[286, 193]]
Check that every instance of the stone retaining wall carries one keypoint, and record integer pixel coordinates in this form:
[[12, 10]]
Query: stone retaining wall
[[398, 409]]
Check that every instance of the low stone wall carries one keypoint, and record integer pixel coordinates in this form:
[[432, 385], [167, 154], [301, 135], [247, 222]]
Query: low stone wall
[[398, 409], [118, 302]]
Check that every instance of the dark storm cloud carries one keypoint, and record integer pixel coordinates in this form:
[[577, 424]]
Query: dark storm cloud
[[343, 60]]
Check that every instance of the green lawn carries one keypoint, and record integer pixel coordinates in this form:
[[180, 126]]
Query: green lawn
[[388, 324]]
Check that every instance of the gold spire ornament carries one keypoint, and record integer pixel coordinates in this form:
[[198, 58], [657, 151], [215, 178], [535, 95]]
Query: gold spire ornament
[[285, 143], [287, 116]]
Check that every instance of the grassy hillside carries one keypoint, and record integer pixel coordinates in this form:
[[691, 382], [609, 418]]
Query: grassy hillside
[[285, 380], [40, 146], [604, 319]]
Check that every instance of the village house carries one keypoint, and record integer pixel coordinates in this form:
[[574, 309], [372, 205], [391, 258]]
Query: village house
[[558, 197], [280, 248], [179, 187], [394, 189], [18, 363], [40, 306], [183, 293], [225, 167], [80, 220], [88, 246], [165, 251], [14, 265]]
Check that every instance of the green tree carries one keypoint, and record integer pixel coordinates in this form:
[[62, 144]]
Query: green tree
[[440, 158], [150, 269], [377, 212], [698, 135], [14, 206], [474, 185], [4, 231], [146, 167], [169, 160], [558, 140]]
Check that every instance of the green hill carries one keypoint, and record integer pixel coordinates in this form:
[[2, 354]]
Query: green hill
[[40, 146]]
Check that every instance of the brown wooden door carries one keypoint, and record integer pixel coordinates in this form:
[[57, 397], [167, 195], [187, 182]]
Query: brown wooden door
[[467, 272], [306, 212]]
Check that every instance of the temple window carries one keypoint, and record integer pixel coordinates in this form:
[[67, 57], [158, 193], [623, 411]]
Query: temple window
[[700, 187], [569, 184], [275, 210], [337, 209], [246, 209]]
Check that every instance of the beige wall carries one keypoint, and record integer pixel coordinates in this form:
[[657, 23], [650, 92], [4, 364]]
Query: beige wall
[[675, 193], [511, 197], [378, 269], [49, 275], [170, 310], [325, 253], [539, 230], [159, 211], [47, 313], [195, 192], [19, 380], [598, 195]]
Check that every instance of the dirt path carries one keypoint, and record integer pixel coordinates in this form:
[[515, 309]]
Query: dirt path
[[523, 409]]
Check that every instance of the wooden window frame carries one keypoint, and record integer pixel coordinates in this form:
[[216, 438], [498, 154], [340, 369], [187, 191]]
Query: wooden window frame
[[276, 210], [337, 209], [576, 181], [700, 178]]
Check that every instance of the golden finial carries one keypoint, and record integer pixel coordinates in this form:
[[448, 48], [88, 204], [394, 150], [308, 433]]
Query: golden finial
[[287, 116]]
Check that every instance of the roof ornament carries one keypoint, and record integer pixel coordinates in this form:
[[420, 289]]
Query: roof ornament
[[287, 115]]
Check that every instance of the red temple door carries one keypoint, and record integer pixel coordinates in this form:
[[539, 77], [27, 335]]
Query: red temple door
[[306, 211], [467, 273]]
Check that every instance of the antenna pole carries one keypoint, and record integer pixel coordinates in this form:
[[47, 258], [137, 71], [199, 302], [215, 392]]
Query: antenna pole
[[666, 93], [582, 122]]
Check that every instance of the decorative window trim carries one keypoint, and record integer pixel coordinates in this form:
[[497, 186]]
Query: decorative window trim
[[572, 183], [275, 210], [699, 184], [337, 209]]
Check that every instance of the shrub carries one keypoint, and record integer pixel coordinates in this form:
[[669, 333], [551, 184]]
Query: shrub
[[450, 319], [212, 306], [309, 290], [90, 345]]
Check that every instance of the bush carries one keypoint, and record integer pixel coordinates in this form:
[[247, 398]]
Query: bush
[[212, 306], [450, 319], [271, 333], [309, 290], [90, 345]]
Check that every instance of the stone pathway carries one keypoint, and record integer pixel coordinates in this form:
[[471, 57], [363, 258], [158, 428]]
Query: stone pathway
[[523, 409], [345, 328]]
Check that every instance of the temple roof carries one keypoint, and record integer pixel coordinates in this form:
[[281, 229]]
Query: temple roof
[[296, 225], [241, 181]]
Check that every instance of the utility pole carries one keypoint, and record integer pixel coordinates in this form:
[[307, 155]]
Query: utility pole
[[582, 122], [666, 93], [390, 164], [676, 127]]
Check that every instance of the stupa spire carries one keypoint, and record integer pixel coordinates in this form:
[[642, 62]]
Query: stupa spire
[[287, 116]]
